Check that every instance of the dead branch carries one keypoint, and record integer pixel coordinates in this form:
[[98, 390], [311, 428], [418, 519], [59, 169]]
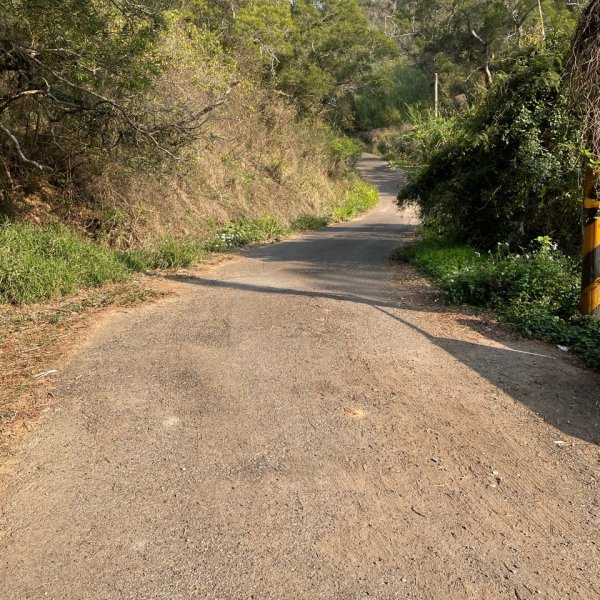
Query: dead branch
[[22, 156]]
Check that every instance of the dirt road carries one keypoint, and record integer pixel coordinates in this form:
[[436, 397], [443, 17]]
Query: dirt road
[[306, 422]]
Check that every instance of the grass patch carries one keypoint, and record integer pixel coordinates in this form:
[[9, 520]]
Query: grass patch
[[169, 253], [535, 291], [238, 235], [39, 263], [359, 198], [307, 222], [42, 263]]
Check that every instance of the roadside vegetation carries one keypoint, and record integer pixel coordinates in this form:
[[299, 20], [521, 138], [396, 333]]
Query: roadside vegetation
[[142, 137], [40, 263], [536, 291], [497, 173]]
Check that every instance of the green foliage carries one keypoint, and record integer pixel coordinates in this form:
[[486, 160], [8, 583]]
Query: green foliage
[[425, 136], [359, 198], [343, 152], [40, 263], [535, 291], [579, 334], [543, 276], [390, 89], [237, 235], [333, 48], [468, 41], [308, 222], [168, 253], [507, 169], [266, 26]]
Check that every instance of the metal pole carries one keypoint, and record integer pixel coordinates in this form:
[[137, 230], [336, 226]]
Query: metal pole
[[590, 284], [437, 95]]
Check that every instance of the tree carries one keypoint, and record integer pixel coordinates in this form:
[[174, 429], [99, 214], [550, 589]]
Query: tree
[[79, 75], [267, 27], [333, 47], [508, 171], [466, 41]]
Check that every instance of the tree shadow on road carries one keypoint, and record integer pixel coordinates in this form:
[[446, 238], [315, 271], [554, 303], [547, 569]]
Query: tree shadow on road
[[565, 395]]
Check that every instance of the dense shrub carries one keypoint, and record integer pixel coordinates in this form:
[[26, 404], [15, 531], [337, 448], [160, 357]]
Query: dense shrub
[[506, 170]]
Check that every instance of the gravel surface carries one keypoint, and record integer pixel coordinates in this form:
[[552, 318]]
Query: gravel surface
[[306, 422]]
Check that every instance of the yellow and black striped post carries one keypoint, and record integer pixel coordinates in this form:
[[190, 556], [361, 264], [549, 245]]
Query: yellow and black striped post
[[590, 287]]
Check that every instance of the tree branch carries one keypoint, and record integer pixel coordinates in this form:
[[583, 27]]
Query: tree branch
[[17, 146]]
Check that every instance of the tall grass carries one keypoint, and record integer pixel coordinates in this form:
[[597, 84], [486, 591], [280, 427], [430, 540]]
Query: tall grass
[[39, 263]]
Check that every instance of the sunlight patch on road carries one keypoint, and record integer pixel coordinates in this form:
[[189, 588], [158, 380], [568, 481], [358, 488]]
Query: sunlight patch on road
[[355, 413]]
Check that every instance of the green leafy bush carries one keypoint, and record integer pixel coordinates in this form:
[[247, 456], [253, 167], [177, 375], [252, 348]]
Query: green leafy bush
[[508, 168], [542, 276], [536, 291], [579, 334], [342, 152]]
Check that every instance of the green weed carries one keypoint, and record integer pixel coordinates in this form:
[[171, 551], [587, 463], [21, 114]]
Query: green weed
[[168, 253], [39, 263], [360, 198], [308, 222], [536, 291], [238, 235]]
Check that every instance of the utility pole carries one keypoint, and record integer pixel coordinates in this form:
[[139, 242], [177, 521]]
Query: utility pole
[[590, 283], [437, 96], [542, 19]]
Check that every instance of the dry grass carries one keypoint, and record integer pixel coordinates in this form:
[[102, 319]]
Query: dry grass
[[255, 160]]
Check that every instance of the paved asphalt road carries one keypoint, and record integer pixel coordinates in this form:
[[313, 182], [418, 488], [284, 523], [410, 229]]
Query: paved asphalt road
[[302, 423]]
